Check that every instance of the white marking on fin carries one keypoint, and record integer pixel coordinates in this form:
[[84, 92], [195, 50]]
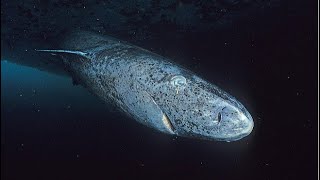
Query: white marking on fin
[[64, 51], [167, 123]]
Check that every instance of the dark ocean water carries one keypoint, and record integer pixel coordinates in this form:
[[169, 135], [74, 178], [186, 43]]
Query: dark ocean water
[[52, 129]]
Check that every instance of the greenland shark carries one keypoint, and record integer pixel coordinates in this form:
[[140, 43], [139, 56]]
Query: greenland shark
[[151, 89]]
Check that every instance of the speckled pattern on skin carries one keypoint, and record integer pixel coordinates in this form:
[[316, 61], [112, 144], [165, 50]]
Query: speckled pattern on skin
[[153, 90]]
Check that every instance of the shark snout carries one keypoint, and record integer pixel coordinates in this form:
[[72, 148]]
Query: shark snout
[[243, 128]]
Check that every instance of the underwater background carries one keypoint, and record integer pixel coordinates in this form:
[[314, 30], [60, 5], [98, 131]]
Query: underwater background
[[261, 52]]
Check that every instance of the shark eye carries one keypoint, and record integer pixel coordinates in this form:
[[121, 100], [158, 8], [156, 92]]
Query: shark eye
[[178, 81]]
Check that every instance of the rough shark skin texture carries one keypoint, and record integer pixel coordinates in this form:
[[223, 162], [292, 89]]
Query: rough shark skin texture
[[152, 89]]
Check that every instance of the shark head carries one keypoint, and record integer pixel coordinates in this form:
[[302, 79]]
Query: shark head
[[181, 103], [195, 108], [175, 101]]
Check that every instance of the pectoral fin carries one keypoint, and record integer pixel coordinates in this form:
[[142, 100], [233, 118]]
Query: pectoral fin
[[141, 105]]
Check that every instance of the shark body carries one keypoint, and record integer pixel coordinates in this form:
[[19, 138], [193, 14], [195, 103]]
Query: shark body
[[153, 90]]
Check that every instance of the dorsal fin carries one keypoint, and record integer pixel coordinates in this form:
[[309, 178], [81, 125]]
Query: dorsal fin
[[80, 53]]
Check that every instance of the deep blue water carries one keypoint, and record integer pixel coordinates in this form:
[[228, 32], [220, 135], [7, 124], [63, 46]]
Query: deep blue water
[[52, 129]]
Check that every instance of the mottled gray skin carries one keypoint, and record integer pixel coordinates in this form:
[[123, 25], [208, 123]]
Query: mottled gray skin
[[153, 90]]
